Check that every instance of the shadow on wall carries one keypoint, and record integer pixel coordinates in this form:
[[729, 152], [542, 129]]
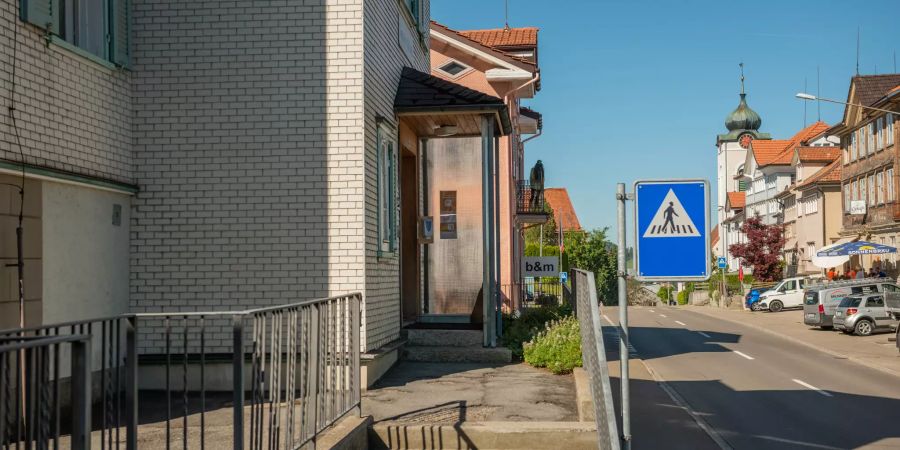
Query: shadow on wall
[[231, 157]]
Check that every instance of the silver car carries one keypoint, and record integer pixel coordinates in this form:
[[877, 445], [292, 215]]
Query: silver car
[[862, 315]]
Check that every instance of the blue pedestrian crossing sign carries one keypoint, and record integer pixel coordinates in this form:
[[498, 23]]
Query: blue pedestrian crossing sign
[[671, 230], [721, 262]]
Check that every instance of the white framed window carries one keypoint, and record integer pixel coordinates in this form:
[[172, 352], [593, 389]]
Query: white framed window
[[854, 151], [879, 187], [846, 197], [453, 68], [879, 129], [871, 185], [890, 184], [889, 130], [810, 249], [862, 189], [387, 190], [870, 137]]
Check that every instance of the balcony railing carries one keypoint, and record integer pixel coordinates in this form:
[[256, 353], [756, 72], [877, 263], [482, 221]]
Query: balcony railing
[[530, 201]]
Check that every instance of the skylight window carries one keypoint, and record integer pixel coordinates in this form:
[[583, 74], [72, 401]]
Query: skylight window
[[453, 68]]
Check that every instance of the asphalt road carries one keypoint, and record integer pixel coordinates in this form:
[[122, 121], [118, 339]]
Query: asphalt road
[[754, 390]]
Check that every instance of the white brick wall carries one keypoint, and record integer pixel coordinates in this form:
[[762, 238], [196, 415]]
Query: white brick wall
[[73, 114], [384, 61]]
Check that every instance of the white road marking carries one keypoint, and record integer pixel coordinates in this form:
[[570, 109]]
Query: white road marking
[[681, 323], [607, 319], [652, 311], [704, 334], [744, 355], [809, 386], [662, 315]]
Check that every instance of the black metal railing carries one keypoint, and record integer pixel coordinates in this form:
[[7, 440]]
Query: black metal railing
[[31, 402], [302, 359], [529, 200], [535, 292]]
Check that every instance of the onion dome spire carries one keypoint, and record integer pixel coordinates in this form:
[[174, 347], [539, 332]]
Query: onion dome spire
[[743, 118]]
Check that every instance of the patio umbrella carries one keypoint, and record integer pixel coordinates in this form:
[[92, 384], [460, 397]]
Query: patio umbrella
[[827, 262], [856, 248]]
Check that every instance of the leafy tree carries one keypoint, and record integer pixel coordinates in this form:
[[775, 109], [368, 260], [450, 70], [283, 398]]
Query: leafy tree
[[762, 251], [551, 233], [592, 252]]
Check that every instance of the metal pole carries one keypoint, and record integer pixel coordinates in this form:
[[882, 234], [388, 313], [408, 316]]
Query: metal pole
[[621, 197], [237, 364], [486, 280]]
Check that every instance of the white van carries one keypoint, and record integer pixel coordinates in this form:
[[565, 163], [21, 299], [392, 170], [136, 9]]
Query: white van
[[787, 294]]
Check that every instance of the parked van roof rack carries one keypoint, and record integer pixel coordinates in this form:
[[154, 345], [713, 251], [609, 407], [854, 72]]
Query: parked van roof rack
[[836, 283]]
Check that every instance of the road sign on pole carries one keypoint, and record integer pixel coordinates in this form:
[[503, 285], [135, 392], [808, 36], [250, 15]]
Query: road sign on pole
[[721, 262], [671, 230]]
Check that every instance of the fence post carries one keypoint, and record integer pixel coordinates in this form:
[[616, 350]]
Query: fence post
[[355, 331], [312, 379], [131, 384], [238, 386], [81, 394]]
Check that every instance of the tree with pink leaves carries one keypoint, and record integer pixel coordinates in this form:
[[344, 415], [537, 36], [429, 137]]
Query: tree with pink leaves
[[762, 251]]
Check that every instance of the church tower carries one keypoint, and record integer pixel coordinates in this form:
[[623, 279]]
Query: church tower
[[743, 127]]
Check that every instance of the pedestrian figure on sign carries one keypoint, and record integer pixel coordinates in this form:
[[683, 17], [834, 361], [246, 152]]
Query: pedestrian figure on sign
[[670, 215], [536, 180]]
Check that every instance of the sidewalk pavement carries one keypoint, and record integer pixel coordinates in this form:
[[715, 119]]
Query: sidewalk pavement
[[874, 351]]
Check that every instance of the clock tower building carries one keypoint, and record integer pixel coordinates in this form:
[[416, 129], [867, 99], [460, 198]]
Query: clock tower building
[[743, 127]]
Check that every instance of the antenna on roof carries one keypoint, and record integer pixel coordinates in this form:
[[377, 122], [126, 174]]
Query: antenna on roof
[[857, 50], [742, 77], [818, 94], [804, 104], [506, 15], [895, 61]]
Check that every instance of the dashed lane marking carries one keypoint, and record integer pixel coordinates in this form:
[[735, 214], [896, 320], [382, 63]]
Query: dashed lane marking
[[744, 355], [652, 311], [809, 386], [681, 323], [663, 315]]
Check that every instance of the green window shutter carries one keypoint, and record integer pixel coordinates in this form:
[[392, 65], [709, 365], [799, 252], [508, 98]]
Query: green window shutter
[[120, 52], [39, 13]]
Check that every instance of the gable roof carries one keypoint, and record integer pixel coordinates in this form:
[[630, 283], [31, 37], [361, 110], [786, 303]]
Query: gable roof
[[869, 89], [781, 151], [736, 200], [504, 37], [828, 174], [818, 154], [485, 47], [563, 211]]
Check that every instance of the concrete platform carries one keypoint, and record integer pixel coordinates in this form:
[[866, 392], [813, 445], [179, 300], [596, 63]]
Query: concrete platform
[[456, 354], [451, 393]]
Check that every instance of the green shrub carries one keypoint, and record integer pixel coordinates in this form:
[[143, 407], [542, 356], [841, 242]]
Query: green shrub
[[558, 347], [683, 297], [519, 330], [664, 293]]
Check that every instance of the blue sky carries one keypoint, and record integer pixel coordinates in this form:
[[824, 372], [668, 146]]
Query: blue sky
[[639, 89]]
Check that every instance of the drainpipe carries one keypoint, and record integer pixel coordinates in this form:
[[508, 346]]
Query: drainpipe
[[537, 77]]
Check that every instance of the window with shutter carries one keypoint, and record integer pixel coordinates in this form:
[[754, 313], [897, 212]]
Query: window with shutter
[[92, 28]]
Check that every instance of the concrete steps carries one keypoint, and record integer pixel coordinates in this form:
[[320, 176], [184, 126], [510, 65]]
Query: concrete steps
[[447, 353], [486, 435], [444, 338], [436, 345]]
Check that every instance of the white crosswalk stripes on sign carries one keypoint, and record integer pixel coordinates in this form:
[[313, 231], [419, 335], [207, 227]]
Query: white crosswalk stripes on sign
[[671, 220]]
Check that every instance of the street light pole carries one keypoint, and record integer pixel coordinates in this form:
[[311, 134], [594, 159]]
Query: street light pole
[[621, 198], [810, 97]]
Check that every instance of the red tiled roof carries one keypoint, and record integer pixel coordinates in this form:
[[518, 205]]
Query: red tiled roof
[[504, 37], [497, 48], [563, 212], [737, 200], [818, 154], [780, 151], [829, 174]]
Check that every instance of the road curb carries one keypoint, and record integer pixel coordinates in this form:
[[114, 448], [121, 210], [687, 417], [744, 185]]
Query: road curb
[[825, 350]]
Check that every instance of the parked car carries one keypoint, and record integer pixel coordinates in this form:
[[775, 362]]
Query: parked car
[[862, 315], [786, 294], [752, 298], [821, 300], [892, 304]]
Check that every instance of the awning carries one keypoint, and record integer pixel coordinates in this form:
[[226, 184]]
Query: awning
[[857, 248], [827, 262]]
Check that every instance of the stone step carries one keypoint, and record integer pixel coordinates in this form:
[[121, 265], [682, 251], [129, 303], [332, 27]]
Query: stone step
[[448, 353], [505, 435], [444, 338]]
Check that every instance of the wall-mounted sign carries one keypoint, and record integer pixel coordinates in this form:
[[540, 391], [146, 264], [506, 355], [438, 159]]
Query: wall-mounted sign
[[858, 207], [426, 230], [540, 266], [448, 214]]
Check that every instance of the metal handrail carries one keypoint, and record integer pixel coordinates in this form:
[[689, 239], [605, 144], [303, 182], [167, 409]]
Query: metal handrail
[[302, 356]]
